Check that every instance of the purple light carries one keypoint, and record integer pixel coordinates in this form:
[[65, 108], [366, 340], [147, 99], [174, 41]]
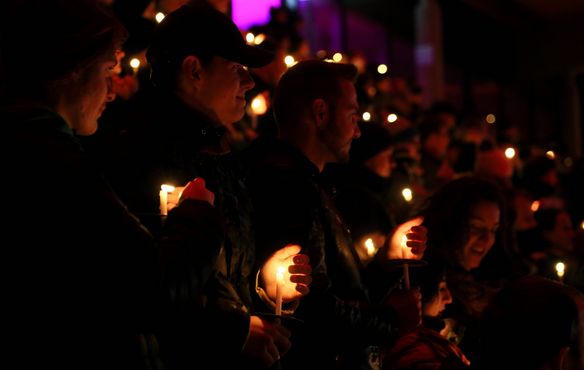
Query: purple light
[[247, 13]]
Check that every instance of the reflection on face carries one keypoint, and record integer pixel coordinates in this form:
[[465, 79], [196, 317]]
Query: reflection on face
[[342, 127], [91, 96], [435, 306], [483, 226], [223, 91]]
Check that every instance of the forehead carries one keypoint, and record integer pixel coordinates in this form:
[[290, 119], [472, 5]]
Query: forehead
[[347, 91], [485, 210]]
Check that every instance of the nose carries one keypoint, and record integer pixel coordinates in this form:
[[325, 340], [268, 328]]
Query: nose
[[357, 132], [110, 94], [447, 298], [247, 82]]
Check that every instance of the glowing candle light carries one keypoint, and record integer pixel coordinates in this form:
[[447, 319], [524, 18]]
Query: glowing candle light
[[135, 64], [370, 246], [259, 105], [159, 17], [510, 152], [407, 194], [535, 206], [279, 285], [249, 37], [163, 196], [382, 69], [337, 57], [289, 60], [550, 154], [366, 116], [259, 39], [490, 118], [391, 118], [560, 270]]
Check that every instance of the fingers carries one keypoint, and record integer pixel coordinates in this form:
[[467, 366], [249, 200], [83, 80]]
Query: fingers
[[300, 269], [301, 279], [301, 259], [270, 355], [302, 289], [199, 181]]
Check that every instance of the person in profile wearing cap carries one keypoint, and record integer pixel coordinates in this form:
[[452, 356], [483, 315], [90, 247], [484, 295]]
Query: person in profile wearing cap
[[198, 60]]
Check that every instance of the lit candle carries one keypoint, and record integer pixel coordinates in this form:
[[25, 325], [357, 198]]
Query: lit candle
[[135, 64], [163, 196], [560, 270], [279, 286], [370, 247]]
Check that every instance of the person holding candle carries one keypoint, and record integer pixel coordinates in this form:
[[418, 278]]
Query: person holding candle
[[466, 223], [82, 273], [316, 109], [199, 61]]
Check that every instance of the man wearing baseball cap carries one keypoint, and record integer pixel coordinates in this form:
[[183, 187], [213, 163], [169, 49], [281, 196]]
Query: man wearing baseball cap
[[198, 61]]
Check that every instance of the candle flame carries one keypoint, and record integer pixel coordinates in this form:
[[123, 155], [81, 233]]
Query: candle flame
[[535, 206], [510, 152], [369, 246], [560, 269], [167, 188], [259, 105], [407, 194], [280, 274], [135, 63], [159, 17], [391, 118]]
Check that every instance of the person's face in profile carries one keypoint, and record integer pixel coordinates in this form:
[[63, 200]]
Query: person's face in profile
[[224, 84], [89, 99], [342, 127], [482, 231], [438, 304]]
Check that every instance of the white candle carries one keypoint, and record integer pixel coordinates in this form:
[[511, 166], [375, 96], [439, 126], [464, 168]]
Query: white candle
[[406, 267], [279, 283], [163, 195]]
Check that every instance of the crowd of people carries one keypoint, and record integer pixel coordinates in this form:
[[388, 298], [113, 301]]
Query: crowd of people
[[233, 211]]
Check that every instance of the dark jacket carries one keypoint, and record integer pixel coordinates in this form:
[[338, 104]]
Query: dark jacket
[[80, 273], [292, 208], [208, 289]]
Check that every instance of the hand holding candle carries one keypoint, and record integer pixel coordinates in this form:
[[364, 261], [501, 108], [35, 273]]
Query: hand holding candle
[[286, 275], [196, 189], [279, 285], [408, 240], [163, 197]]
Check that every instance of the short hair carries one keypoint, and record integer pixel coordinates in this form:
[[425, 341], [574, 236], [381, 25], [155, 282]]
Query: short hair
[[527, 322], [305, 82], [45, 41]]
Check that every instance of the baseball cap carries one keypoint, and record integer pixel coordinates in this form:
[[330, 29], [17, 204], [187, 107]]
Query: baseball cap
[[202, 30]]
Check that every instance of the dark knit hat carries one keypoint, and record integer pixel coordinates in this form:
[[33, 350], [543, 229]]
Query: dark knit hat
[[374, 138]]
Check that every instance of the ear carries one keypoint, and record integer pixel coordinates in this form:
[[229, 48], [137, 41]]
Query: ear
[[192, 69], [320, 112]]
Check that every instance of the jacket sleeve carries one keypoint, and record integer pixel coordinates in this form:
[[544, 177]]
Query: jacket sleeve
[[197, 323]]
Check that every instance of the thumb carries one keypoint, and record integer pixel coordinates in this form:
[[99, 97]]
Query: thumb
[[199, 181]]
